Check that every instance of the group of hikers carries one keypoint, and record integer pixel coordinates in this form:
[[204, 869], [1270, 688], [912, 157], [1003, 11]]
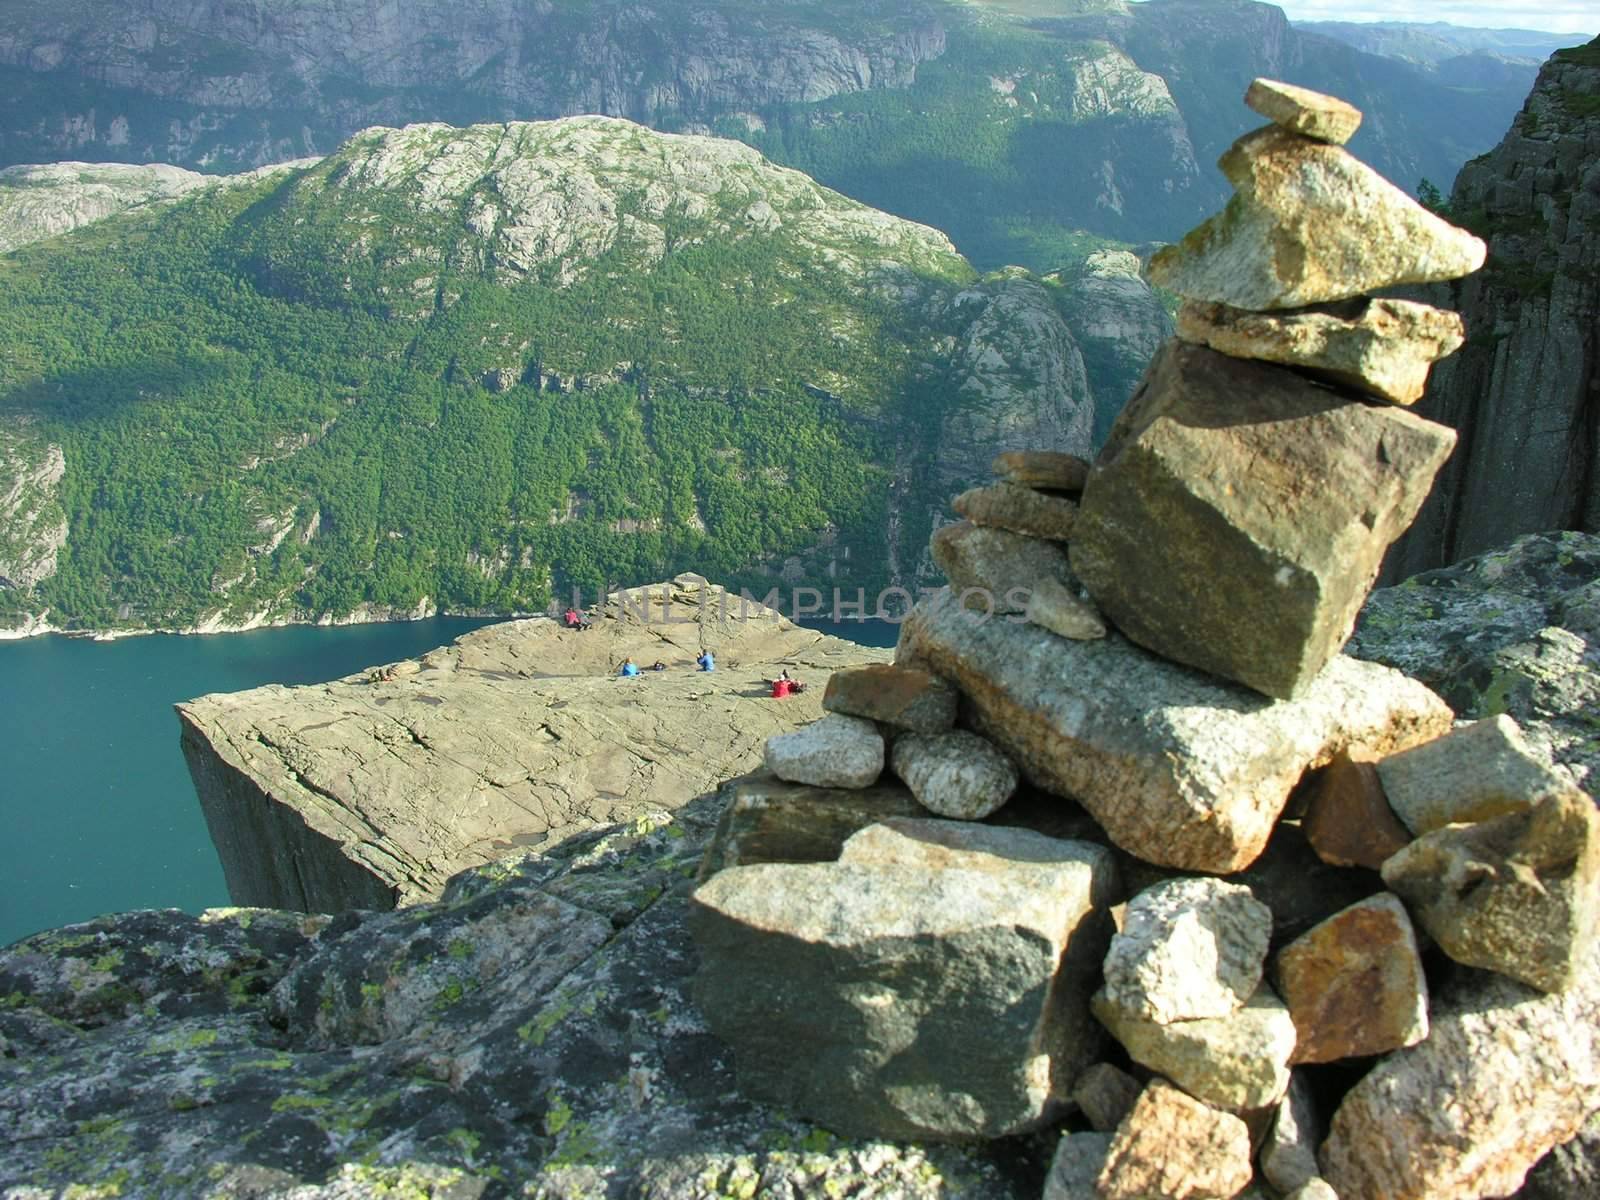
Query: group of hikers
[[706, 662], [784, 685]]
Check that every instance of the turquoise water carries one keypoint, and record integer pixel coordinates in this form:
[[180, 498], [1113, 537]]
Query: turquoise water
[[97, 811]]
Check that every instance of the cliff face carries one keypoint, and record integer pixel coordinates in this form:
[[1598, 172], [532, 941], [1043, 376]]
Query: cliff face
[[372, 791], [1525, 390]]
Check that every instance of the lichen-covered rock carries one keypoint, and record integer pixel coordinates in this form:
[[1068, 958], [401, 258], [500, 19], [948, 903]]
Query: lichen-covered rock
[[956, 774], [139, 1058], [1019, 509], [835, 752], [1237, 1063], [1188, 948], [1052, 606], [1179, 769], [1384, 347], [1354, 984], [1348, 820], [1501, 633], [994, 570], [1516, 894], [1047, 470], [1175, 1147], [1505, 1074], [767, 820], [1472, 773], [899, 696], [1301, 110], [1309, 223], [1201, 537], [929, 991]]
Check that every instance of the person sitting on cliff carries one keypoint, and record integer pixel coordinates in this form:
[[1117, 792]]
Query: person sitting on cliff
[[706, 661], [628, 669], [574, 621], [782, 688]]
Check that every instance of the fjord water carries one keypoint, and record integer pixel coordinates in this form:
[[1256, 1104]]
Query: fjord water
[[97, 808], [97, 811]]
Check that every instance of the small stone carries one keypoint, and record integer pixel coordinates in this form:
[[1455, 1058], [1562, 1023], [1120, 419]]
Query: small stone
[[1516, 894], [1052, 606], [1472, 773], [1018, 509], [1289, 1151], [1105, 1094], [1178, 769], [1384, 347], [899, 696], [1237, 1063], [1078, 1161], [1202, 536], [1189, 948], [1177, 1148], [1348, 820], [1310, 223], [1302, 111], [993, 571], [955, 774], [837, 751], [1315, 1188], [1048, 470], [1354, 984], [767, 820], [1504, 1075], [849, 990]]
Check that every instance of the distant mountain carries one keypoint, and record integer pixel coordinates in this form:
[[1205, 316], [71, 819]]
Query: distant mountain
[[465, 368], [1032, 131], [1435, 42]]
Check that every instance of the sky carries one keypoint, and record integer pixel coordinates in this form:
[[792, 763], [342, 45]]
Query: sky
[[1558, 16]]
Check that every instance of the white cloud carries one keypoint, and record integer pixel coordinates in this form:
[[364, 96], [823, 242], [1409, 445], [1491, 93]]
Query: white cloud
[[1557, 16]]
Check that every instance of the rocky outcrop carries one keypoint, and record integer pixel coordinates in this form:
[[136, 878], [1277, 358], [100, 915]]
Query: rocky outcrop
[[33, 526], [1522, 392], [373, 790]]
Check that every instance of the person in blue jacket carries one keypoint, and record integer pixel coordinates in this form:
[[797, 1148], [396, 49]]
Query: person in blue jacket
[[707, 663], [629, 667]]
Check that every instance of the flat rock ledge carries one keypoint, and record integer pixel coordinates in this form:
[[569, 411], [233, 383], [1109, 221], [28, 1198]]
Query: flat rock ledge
[[1180, 769]]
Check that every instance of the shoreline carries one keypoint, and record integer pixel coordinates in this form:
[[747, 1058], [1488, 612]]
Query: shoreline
[[39, 626]]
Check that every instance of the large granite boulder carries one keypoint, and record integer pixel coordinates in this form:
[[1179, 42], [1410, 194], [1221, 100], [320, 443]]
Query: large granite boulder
[[1179, 769], [1173, 1146], [1506, 1073], [934, 980], [371, 791], [994, 570], [1308, 223], [1239, 513]]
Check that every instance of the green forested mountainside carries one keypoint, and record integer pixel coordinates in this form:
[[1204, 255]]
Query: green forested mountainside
[[476, 365], [1031, 131]]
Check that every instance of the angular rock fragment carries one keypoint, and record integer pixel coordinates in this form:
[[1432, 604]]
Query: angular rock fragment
[[1047, 470], [1237, 1063], [1177, 1148], [1302, 111], [1515, 894], [767, 820], [1504, 1075], [995, 570], [1385, 347], [1239, 513], [1354, 984], [1188, 948], [1019, 509], [899, 696], [1105, 1094], [889, 1000], [1472, 773], [1315, 1188], [1289, 1151], [956, 774], [1078, 1160], [1178, 769], [1348, 820], [1052, 606], [1309, 223], [837, 751]]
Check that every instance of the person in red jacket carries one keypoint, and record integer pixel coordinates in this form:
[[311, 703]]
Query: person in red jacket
[[781, 687]]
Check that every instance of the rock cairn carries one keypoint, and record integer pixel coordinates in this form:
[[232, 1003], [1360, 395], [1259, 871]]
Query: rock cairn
[[1043, 873]]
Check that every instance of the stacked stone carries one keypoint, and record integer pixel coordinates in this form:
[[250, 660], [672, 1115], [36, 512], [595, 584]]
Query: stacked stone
[[914, 930]]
